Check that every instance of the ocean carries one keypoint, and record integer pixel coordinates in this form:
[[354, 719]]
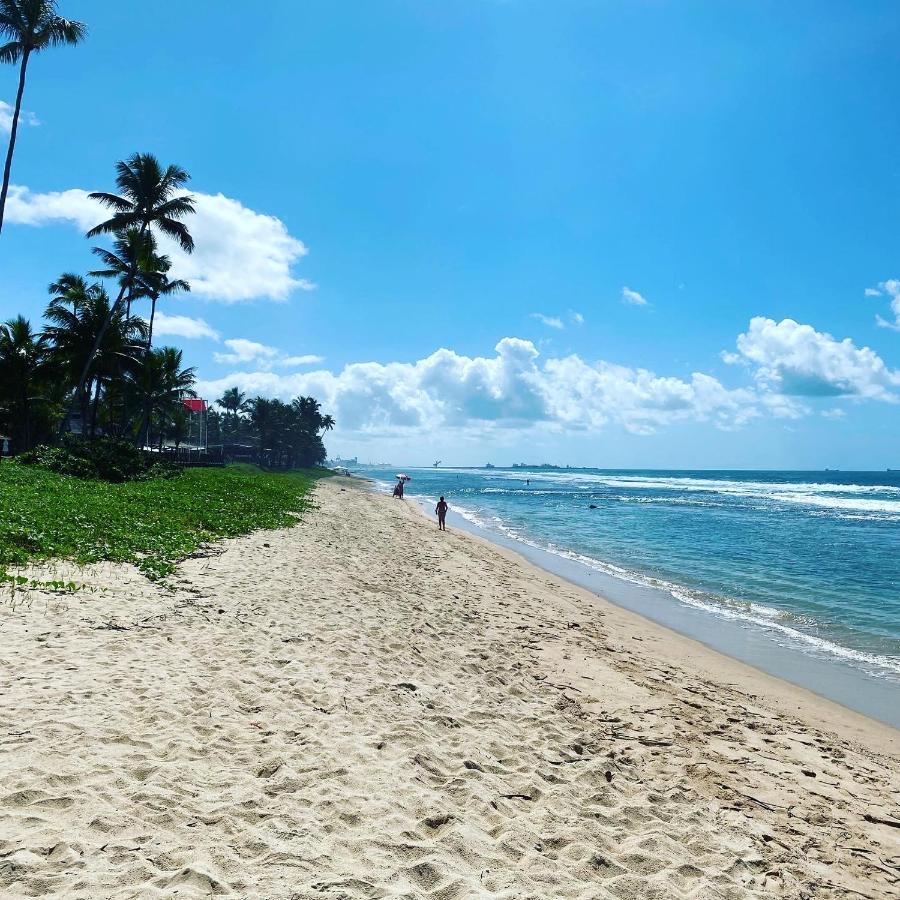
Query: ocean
[[805, 562]]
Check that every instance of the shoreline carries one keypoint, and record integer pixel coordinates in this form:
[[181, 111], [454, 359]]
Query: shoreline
[[825, 676], [362, 706], [681, 649]]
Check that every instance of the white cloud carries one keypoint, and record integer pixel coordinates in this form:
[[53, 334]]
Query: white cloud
[[796, 360], [516, 389], [243, 350], [633, 298], [6, 117], [240, 254], [512, 389], [183, 326], [891, 287], [576, 317], [26, 208], [835, 413], [290, 362], [262, 356], [549, 321]]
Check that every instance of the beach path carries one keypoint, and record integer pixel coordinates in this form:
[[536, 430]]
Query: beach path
[[364, 707]]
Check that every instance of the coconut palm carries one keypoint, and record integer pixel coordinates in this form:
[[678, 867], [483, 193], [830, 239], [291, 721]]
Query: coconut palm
[[129, 262], [140, 270], [24, 365], [233, 401], [162, 286], [29, 26], [84, 342], [69, 288], [161, 384], [150, 199]]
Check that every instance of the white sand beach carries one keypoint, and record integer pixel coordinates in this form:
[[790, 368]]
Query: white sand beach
[[364, 707]]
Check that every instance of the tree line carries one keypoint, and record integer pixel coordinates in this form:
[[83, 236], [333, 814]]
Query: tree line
[[91, 366], [279, 433]]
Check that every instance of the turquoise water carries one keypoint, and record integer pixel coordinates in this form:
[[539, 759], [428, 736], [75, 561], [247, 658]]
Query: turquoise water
[[811, 559]]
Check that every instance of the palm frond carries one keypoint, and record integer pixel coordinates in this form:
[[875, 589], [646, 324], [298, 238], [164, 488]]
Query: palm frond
[[60, 31], [178, 231], [111, 201], [11, 52]]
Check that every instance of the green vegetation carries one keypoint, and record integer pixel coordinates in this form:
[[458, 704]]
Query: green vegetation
[[153, 524]]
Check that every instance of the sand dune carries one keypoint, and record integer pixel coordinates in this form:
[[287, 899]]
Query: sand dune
[[363, 707]]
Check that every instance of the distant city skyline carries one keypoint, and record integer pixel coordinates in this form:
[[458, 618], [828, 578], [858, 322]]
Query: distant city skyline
[[622, 236]]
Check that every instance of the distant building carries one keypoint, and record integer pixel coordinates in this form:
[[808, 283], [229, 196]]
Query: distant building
[[338, 461]]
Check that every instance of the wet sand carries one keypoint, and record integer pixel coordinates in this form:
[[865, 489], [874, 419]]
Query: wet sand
[[363, 707]]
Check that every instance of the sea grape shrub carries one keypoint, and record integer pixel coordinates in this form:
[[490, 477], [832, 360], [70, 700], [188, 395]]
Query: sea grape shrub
[[102, 459]]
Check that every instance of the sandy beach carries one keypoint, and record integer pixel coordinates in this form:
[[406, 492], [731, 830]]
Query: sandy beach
[[362, 706]]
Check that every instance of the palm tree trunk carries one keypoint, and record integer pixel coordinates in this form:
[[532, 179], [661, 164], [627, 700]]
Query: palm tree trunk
[[152, 316], [94, 409], [12, 135]]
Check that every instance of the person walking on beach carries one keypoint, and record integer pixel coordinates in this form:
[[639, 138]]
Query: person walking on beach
[[441, 510]]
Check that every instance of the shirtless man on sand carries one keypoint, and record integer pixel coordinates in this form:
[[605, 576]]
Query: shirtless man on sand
[[441, 510]]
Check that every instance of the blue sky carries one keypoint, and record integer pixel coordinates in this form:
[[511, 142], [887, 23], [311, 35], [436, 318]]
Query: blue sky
[[400, 177]]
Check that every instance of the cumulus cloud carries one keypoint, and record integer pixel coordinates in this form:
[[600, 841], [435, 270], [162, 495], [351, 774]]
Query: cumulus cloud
[[243, 350], [511, 389], [576, 317], [549, 321], [240, 254], [262, 356], [796, 360], [183, 326], [6, 117], [23, 207], [633, 298], [789, 365], [308, 359], [891, 288]]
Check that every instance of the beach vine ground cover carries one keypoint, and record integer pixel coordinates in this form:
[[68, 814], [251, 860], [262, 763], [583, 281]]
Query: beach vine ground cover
[[152, 524]]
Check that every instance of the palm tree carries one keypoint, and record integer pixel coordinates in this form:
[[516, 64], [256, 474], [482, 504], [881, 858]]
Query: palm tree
[[24, 363], [234, 402], [162, 286], [140, 269], [150, 198], [161, 384], [29, 27], [69, 288], [84, 342], [129, 261]]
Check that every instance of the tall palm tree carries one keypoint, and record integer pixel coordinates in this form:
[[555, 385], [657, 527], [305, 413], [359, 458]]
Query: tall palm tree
[[150, 199], [162, 286], [24, 364], [140, 269], [29, 26]]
